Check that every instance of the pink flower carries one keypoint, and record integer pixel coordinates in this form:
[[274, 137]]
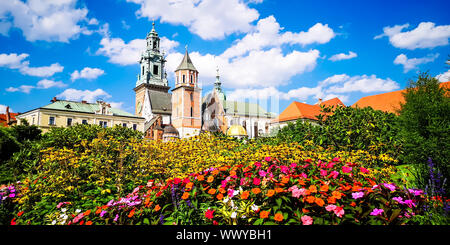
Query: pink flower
[[284, 169], [306, 220], [303, 175], [398, 199], [364, 170], [293, 165], [330, 164], [346, 169], [376, 212], [323, 172], [262, 173], [256, 181], [117, 217], [257, 164], [410, 203], [389, 186], [267, 159], [336, 159], [334, 174], [176, 181], [357, 195], [330, 207], [339, 211]]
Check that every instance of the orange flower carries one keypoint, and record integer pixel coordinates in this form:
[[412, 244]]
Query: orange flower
[[224, 168], [319, 202], [278, 217], [131, 213], [331, 200], [200, 178], [285, 180], [147, 201], [264, 214], [189, 186], [324, 188], [245, 194], [313, 189], [157, 208], [185, 196], [278, 190], [215, 172], [353, 204], [256, 190], [336, 194], [87, 212], [222, 190], [212, 191], [219, 196], [310, 199], [232, 173], [301, 182], [270, 193], [210, 179], [99, 210], [89, 223], [356, 188], [304, 210]]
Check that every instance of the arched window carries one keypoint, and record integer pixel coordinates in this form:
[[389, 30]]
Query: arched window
[[192, 80], [184, 78]]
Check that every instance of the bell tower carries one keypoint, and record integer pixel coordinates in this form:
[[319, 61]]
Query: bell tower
[[152, 86], [186, 99]]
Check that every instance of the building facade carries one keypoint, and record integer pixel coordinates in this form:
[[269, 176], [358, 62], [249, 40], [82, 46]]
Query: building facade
[[63, 113]]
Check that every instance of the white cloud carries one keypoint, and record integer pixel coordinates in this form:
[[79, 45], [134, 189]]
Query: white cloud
[[125, 25], [43, 71], [335, 86], [3, 109], [120, 52], [209, 19], [410, 64], [14, 61], [425, 35], [45, 84], [343, 56], [444, 77], [23, 88], [87, 73], [47, 20], [267, 34], [87, 95], [117, 105]]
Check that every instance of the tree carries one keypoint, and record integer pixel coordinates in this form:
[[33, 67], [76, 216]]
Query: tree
[[425, 127]]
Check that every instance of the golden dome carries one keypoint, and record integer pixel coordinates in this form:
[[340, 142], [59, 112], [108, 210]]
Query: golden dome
[[236, 130]]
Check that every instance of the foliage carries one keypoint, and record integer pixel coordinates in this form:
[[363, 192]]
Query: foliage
[[347, 129], [425, 126], [25, 132], [8, 144]]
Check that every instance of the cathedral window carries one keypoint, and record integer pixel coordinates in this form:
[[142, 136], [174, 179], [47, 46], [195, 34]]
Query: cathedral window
[[155, 69]]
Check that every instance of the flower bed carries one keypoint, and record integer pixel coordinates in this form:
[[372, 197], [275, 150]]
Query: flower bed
[[265, 192]]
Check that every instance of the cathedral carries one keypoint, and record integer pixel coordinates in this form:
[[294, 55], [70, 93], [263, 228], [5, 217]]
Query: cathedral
[[184, 112]]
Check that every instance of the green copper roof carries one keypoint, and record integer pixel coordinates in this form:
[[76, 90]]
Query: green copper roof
[[64, 105], [245, 109], [186, 63]]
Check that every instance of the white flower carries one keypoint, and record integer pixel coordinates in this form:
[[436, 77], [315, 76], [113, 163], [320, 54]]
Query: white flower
[[233, 215], [77, 211], [63, 210], [255, 207], [53, 222], [226, 199]]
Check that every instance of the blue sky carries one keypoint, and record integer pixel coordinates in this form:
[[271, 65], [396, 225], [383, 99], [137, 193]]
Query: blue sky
[[274, 52]]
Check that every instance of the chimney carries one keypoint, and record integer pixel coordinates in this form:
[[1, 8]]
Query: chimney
[[8, 117], [84, 102], [53, 100], [320, 101]]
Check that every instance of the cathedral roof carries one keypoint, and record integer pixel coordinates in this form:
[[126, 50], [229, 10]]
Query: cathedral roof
[[161, 102], [186, 63]]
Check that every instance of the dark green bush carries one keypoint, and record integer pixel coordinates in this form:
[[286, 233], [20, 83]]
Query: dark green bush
[[8, 144]]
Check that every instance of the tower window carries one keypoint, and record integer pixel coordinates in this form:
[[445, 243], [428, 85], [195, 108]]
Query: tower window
[[192, 96], [69, 121], [184, 78], [192, 112], [142, 70], [155, 69], [192, 80], [154, 44]]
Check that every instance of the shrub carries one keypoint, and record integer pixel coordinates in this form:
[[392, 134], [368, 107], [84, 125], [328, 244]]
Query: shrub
[[8, 144], [425, 127]]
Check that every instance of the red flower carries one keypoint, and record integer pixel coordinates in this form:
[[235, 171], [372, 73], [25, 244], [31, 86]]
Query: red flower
[[20, 213], [209, 214], [13, 221], [176, 181], [256, 181]]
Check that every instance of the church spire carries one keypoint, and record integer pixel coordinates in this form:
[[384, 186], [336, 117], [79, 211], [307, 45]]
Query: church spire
[[186, 63]]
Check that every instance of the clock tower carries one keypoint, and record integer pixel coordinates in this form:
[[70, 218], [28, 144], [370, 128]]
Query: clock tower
[[152, 96]]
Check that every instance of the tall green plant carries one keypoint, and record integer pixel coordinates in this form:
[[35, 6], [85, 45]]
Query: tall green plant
[[425, 126]]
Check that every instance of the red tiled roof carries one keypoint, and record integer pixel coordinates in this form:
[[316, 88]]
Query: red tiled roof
[[297, 110], [388, 102], [3, 118]]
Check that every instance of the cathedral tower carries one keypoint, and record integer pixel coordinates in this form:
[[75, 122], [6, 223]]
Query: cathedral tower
[[152, 96], [186, 99]]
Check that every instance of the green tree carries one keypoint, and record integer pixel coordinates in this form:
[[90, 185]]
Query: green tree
[[425, 126]]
